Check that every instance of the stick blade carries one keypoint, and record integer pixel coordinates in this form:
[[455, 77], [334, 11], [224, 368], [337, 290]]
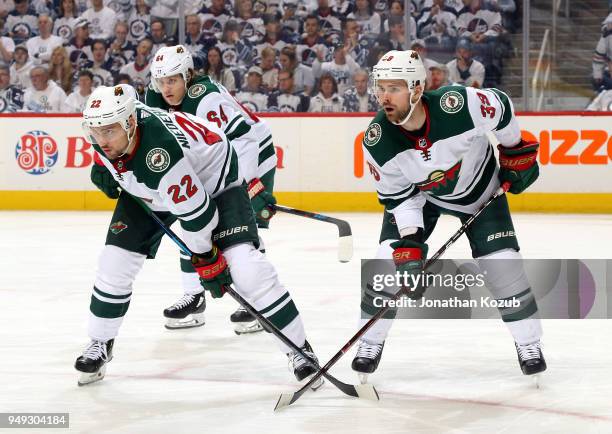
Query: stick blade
[[367, 391], [285, 400], [345, 248]]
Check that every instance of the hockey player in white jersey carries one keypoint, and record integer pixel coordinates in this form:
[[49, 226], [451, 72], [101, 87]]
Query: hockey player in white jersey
[[429, 155], [183, 168], [175, 86]]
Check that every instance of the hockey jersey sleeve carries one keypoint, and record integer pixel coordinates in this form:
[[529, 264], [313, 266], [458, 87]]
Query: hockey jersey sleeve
[[400, 197], [492, 112], [223, 110]]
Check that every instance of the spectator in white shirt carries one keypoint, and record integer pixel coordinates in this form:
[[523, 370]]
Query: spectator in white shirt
[[140, 69], [41, 47], [464, 69], [44, 96], [7, 48], [101, 20], [75, 103], [21, 24], [20, 69], [64, 23], [342, 67], [327, 100]]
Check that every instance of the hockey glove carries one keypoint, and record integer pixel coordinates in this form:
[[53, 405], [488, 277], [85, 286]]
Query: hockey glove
[[213, 272], [102, 178], [262, 202], [409, 257], [518, 165]]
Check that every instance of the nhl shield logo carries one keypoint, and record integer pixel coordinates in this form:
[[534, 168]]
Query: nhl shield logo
[[372, 135], [451, 102], [157, 160]]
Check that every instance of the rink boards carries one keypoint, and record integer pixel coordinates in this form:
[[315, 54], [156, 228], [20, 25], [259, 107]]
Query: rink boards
[[45, 160]]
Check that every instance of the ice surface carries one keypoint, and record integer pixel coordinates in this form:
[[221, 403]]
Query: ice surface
[[435, 376]]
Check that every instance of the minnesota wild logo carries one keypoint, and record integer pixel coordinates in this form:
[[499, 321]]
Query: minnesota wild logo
[[451, 102], [372, 135], [196, 90], [157, 160], [441, 182], [117, 227]]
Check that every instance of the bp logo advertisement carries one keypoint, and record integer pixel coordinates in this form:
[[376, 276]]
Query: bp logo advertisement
[[36, 152]]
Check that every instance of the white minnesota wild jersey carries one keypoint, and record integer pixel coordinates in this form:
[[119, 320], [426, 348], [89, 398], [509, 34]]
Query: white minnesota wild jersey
[[180, 162], [449, 162], [249, 135]]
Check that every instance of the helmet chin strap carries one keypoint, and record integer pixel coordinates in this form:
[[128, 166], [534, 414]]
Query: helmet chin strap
[[128, 148], [412, 107]]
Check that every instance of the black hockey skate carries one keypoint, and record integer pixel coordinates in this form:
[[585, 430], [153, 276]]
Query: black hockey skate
[[367, 359], [187, 312], [301, 368], [92, 364], [244, 322], [530, 358]]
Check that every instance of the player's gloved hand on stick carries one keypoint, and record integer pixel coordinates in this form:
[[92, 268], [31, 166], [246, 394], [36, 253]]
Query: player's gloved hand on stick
[[409, 257], [102, 178], [262, 202], [518, 165], [213, 271]]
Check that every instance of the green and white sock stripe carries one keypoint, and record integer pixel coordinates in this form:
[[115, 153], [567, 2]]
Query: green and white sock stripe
[[186, 266], [281, 312], [105, 305], [526, 309]]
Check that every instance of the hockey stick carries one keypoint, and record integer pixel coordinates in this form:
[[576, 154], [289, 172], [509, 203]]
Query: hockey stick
[[287, 399], [345, 243], [365, 391]]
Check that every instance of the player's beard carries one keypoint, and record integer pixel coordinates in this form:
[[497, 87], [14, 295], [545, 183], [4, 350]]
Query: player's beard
[[398, 115]]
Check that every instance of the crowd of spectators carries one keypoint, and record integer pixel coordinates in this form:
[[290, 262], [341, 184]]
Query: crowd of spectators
[[273, 55], [602, 68]]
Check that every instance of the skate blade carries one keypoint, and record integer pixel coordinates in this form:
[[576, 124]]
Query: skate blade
[[92, 377], [242, 328], [363, 377], [537, 381], [196, 320]]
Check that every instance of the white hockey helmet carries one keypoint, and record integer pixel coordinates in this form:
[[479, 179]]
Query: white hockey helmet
[[109, 105], [401, 65], [169, 61]]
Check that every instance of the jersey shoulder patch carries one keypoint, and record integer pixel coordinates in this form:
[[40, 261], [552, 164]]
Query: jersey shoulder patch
[[383, 140], [200, 88], [160, 147]]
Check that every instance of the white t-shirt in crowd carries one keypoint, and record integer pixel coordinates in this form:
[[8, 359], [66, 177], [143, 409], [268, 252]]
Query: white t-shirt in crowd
[[49, 100]]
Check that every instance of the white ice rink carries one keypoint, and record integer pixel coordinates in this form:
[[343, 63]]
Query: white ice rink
[[436, 376]]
